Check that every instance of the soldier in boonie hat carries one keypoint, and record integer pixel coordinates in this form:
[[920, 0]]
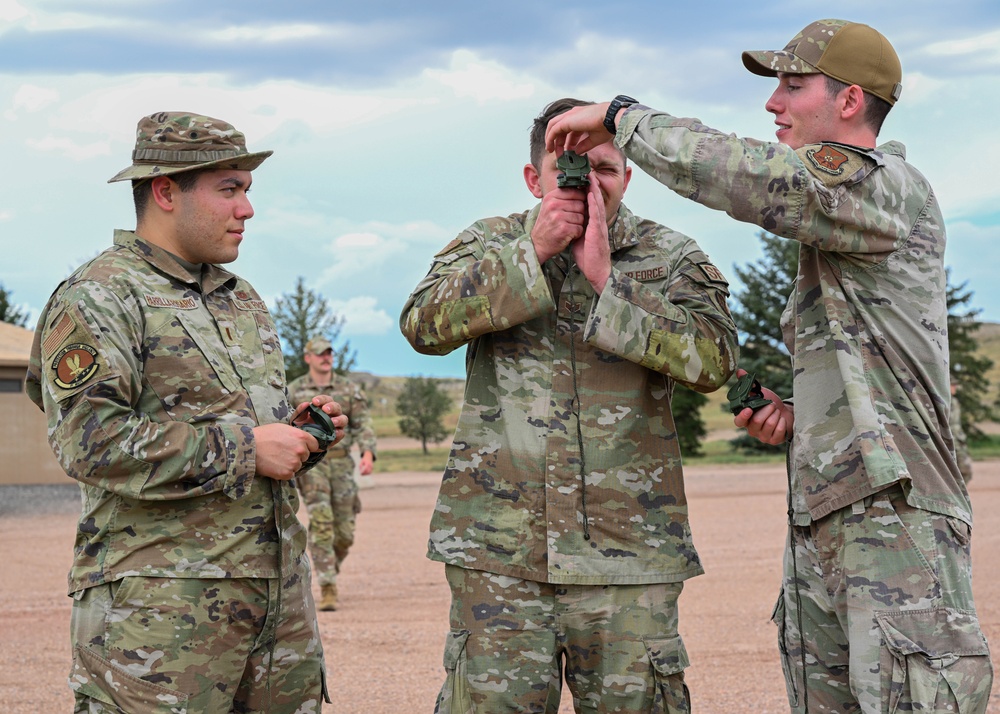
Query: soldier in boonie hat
[[172, 142], [318, 345], [847, 51]]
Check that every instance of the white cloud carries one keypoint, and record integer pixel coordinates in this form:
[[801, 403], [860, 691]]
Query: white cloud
[[356, 240], [32, 98], [362, 316], [11, 11], [73, 149], [482, 80], [276, 33], [986, 47], [6, 215]]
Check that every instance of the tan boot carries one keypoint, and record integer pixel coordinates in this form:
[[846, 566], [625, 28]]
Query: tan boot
[[328, 597]]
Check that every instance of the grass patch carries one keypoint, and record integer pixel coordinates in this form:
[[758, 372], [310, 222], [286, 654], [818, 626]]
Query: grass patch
[[411, 460], [985, 448], [720, 452]]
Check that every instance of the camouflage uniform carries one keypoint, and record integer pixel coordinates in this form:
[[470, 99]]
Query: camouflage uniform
[[961, 441], [189, 574], [329, 488], [871, 454], [512, 503]]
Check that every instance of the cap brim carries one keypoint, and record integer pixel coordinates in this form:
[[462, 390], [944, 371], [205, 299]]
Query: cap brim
[[767, 63], [243, 162]]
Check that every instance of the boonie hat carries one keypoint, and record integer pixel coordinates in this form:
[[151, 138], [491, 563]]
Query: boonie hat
[[318, 345], [172, 142], [847, 51]]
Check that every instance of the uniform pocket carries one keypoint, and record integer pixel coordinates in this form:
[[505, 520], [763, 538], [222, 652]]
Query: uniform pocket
[[934, 660], [454, 697], [669, 659], [95, 677], [780, 619]]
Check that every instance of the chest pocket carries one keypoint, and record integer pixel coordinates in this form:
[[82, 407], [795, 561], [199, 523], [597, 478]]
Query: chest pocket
[[192, 379]]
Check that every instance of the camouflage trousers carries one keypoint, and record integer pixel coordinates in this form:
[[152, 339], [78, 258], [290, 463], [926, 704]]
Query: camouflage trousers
[[179, 645], [876, 613], [512, 639], [331, 496]]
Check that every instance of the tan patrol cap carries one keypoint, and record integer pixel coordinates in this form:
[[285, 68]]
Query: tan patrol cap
[[171, 142], [847, 51], [318, 345]]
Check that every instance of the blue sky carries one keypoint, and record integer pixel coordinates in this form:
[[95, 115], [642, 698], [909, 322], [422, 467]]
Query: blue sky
[[395, 125]]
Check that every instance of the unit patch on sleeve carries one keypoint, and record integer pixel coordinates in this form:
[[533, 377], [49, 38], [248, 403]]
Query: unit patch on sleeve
[[74, 365], [828, 159]]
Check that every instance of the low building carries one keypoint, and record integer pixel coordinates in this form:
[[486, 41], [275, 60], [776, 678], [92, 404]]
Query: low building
[[25, 456]]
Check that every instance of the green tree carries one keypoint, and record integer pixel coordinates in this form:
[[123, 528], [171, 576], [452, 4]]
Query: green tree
[[302, 315], [421, 405], [757, 311], [686, 407], [9, 312], [968, 367]]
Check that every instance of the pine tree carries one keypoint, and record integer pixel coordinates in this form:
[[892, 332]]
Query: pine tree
[[302, 315], [968, 368], [757, 311], [686, 404], [422, 404], [9, 312]]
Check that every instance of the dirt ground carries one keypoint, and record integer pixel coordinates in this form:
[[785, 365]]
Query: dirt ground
[[384, 644]]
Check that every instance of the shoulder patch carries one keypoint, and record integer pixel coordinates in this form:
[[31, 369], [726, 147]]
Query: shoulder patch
[[74, 365], [833, 164], [58, 333], [712, 273]]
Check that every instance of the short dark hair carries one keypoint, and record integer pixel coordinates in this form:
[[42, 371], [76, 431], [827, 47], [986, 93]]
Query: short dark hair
[[876, 108], [141, 189], [541, 124]]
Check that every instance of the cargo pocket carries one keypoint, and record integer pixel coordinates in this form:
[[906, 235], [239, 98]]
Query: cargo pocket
[[935, 660], [454, 697], [779, 618], [669, 660], [101, 680]]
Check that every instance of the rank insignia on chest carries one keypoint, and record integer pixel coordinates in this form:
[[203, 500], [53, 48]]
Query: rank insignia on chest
[[828, 159], [74, 365]]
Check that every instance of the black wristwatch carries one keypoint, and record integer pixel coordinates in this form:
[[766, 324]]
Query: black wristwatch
[[616, 104]]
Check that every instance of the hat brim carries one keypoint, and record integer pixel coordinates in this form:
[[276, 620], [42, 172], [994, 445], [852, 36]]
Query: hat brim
[[242, 162], [767, 63]]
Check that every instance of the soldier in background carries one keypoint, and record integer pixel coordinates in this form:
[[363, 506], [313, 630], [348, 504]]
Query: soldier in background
[[162, 378], [561, 517], [876, 611], [959, 437], [330, 489]]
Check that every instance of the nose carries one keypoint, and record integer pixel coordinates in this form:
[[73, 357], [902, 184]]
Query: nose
[[772, 105], [244, 208]]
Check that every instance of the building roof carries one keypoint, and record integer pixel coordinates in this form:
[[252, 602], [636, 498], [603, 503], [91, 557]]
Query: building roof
[[15, 345]]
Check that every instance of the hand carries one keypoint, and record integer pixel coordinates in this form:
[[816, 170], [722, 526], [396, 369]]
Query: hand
[[367, 463], [281, 450], [326, 403], [593, 253], [561, 220], [580, 130], [772, 423]]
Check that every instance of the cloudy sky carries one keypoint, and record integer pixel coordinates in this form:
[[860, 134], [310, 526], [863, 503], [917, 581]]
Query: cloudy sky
[[397, 124]]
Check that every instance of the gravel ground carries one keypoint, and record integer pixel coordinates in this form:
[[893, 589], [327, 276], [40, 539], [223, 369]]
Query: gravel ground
[[384, 644]]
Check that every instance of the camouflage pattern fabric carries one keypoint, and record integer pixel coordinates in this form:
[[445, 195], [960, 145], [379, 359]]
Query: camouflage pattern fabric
[[511, 500], [329, 488], [867, 322], [899, 580], [511, 640], [156, 425], [866, 326], [176, 645], [961, 441], [152, 378]]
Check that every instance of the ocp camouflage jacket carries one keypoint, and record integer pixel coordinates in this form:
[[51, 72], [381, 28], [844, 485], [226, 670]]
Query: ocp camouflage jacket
[[511, 500]]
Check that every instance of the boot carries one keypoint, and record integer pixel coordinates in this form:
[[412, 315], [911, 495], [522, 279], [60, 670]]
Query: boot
[[328, 597]]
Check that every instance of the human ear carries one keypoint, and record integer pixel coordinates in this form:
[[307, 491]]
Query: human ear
[[532, 180]]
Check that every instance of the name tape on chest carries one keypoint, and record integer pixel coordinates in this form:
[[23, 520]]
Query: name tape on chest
[[646, 274], [187, 303]]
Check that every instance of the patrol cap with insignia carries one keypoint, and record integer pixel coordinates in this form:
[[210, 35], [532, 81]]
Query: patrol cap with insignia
[[318, 345], [847, 51], [171, 142]]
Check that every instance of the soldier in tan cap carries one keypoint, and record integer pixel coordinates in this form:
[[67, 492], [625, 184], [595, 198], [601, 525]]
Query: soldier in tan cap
[[330, 489], [876, 612], [162, 378]]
